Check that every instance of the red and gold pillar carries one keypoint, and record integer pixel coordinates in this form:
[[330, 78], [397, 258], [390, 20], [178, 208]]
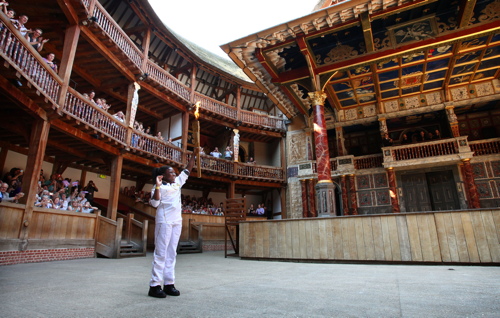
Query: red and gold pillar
[[352, 193], [304, 198], [393, 191], [325, 190], [345, 198], [471, 188], [311, 196]]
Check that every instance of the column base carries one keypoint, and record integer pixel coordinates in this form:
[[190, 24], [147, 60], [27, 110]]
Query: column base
[[325, 199]]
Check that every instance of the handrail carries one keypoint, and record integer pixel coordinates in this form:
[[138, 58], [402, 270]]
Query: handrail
[[116, 33], [154, 146], [16, 51], [485, 147], [101, 121], [216, 107], [368, 162], [423, 149], [164, 78], [24, 58]]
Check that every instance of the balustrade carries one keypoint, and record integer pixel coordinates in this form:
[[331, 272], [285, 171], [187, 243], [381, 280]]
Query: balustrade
[[115, 33], [424, 150], [84, 111], [368, 162], [485, 147], [19, 54], [27, 61]]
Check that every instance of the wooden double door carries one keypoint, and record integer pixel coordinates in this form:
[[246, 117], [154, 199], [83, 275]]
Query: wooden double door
[[430, 191]]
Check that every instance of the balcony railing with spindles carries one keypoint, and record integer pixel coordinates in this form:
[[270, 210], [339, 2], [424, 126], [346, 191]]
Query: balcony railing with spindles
[[485, 147]]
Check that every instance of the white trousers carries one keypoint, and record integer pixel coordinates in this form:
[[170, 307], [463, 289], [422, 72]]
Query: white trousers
[[166, 240]]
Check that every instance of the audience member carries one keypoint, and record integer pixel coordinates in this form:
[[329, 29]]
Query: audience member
[[49, 59], [35, 38], [405, 140], [216, 153], [260, 210], [387, 141], [421, 136], [89, 189], [437, 134], [4, 196], [251, 161], [20, 24], [160, 136], [13, 174], [228, 154], [120, 116], [251, 210]]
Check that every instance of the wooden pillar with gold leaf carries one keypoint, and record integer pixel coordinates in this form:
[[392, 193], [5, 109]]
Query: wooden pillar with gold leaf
[[196, 136]]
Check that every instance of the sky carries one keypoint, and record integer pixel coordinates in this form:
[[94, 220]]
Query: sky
[[210, 24]]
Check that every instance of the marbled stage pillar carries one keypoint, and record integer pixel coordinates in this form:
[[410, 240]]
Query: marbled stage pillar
[[471, 186], [325, 190], [393, 191], [352, 193], [311, 196], [304, 198], [345, 199]]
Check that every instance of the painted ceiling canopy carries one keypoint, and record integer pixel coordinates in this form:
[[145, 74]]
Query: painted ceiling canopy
[[378, 53]]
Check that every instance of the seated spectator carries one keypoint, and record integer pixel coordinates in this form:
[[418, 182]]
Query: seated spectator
[[260, 210], [251, 161], [216, 153], [20, 24], [159, 136], [387, 141], [91, 96], [49, 59], [13, 174], [4, 196], [430, 136], [437, 134], [228, 154], [421, 136], [57, 203], [45, 202], [251, 210], [35, 38], [405, 140], [87, 208], [75, 206], [120, 116]]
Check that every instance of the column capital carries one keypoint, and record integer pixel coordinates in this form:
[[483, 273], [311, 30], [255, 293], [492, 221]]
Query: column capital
[[317, 98]]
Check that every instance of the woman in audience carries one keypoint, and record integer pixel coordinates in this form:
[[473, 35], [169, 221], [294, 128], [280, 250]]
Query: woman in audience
[[49, 59]]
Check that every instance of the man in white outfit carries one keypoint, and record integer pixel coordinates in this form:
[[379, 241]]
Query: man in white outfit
[[166, 197]]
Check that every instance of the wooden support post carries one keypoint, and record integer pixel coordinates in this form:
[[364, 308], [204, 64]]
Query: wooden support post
[[69, 51], [38, 143], [114, 187]]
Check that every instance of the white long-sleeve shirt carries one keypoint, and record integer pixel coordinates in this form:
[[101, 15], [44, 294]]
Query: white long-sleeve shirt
[[169, 207]]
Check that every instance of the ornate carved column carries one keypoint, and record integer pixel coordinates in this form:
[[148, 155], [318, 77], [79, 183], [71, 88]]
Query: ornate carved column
[[471, 186], [325, 190], [383, 126], [453, 120], [312, 204], [339, 133], [393, 191], [236, 145], [304, 198], [345, 199], [352, 193]]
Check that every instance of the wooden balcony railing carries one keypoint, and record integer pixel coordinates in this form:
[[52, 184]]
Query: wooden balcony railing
[[154, 146], [216, 107], [88, 117], [116, 34], [368, 162], [162, 77], [451, 149], [485, 147], [93, 117], [14, 47]]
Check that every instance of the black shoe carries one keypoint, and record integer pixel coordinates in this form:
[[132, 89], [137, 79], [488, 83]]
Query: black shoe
[[156, 292], [170, 290]]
